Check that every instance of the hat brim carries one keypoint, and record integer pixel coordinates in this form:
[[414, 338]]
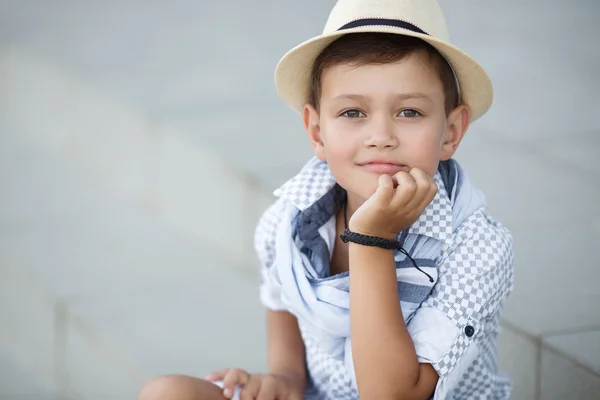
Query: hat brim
[[293, 73]]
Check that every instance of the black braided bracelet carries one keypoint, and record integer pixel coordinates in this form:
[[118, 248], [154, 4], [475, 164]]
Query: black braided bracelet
[[372, 241]]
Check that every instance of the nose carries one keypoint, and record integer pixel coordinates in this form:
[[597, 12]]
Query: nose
[[381, 135]]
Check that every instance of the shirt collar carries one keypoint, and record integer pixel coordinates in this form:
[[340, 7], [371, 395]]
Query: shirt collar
[[315, 180]]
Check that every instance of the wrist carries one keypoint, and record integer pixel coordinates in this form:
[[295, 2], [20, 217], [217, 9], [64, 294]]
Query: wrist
[[360, 251]]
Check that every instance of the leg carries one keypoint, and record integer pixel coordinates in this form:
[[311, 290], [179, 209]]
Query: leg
[[179, 387]]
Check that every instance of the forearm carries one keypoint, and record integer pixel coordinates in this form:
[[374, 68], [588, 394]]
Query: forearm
[[286, 352], [385, 360]]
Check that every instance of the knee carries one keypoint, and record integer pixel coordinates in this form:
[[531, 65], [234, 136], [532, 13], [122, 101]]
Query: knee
[[168, 387]]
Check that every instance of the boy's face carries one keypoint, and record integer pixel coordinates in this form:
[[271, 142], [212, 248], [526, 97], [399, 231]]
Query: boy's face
[[376, 119]]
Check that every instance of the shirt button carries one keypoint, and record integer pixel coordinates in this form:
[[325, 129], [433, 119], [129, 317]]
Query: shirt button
[[469, 330]]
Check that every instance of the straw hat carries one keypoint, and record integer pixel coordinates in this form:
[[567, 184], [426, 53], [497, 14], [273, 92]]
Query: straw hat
[[423, 19]]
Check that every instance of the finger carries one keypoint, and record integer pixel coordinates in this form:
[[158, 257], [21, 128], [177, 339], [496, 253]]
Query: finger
[[428, 188], [427, 198], [385, 189], [233, 378], [433, 189], [424, 185], [405, 190], [250, 390], [217, 375], [268, 388]]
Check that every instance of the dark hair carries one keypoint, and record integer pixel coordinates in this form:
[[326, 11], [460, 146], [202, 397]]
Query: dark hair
[[380, 48]]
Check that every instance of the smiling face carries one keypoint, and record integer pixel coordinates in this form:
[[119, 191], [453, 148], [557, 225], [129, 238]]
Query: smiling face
[[378, 119]]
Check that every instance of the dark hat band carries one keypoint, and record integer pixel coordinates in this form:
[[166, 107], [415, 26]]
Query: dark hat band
[[383, 21]]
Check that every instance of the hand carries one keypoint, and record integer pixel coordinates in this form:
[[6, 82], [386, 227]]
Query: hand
[[391, 210], [257, 386]]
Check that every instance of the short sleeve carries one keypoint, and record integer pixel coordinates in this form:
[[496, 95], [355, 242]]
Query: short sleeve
[[475, 277], [264, 245]]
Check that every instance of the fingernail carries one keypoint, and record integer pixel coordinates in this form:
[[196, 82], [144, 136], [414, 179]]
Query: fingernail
[[227, 392]]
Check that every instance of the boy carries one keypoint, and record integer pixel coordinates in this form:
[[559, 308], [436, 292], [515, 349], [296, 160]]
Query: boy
[[385, 100]]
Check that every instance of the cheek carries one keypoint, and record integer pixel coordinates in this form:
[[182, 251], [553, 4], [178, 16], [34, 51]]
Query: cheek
[[340, 145], [425, 152], [340, 159], [429, 156], [340, 153]]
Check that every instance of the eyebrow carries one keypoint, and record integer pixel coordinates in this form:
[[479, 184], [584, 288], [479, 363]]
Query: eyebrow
[[402, 96]]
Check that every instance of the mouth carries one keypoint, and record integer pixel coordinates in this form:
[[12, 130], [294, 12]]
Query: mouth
[[380, 168]]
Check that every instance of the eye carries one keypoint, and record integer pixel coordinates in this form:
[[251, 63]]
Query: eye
[[410, 113], [353, 114]]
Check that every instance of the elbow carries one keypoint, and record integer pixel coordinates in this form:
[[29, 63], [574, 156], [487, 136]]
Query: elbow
[[398, 387]]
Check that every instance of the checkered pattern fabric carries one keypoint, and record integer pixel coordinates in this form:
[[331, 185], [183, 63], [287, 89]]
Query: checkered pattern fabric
[[264, 235], [313, 181], [435, 221], [475, 275], [327, 374], [481, 381]]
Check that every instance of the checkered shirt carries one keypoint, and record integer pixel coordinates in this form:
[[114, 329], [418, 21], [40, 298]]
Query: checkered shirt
[[454, 328]]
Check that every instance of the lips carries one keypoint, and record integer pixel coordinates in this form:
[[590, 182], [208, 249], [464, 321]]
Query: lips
[[378, 167]]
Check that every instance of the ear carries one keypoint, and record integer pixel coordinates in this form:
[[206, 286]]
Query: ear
[[310, 116], [457, 124]]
